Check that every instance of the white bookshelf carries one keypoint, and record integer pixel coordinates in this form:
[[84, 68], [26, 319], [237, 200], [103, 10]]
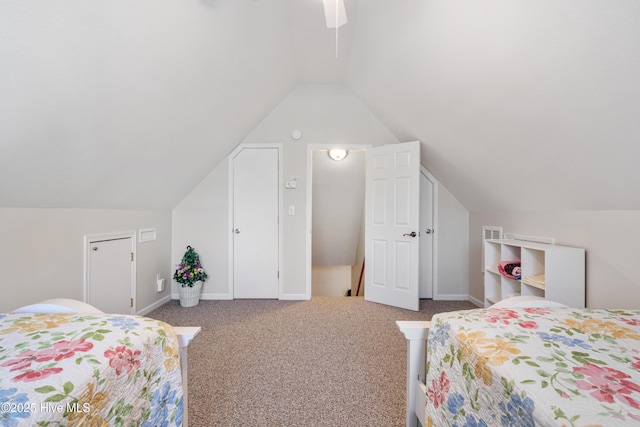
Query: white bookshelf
[[562, 267]]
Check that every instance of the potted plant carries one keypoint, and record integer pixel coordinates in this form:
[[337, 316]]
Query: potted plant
[[190, 275]]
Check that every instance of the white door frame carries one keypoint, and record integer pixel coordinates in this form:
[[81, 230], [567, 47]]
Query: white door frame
[[231, 158], [309, 220], [89, 239], [434, 234]]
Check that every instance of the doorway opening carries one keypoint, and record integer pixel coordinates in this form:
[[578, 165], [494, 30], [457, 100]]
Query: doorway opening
[[428, 283], [335, 220]]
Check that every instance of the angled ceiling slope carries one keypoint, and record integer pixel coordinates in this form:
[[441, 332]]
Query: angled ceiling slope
[[520, 105], [126, 104]]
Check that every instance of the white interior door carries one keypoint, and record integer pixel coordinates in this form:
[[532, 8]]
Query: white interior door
[[255, 223], [110, 275], [391, 225], [426, 237]]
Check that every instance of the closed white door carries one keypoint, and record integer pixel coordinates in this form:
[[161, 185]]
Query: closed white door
[[426, 237], [255, 223], [110, 275], [391, 225]]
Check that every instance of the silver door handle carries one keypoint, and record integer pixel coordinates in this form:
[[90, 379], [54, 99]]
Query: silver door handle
[[236, 230], [412, 234], [428, 231]]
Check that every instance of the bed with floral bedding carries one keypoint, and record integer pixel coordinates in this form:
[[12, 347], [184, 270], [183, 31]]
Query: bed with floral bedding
[[88, 369], [533, 366]]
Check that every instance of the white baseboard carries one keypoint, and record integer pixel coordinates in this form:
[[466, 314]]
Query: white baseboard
[[214, 296], [459, 297], [476, 301], [294, 297], [150, 308], [208, 296], [451, 297]]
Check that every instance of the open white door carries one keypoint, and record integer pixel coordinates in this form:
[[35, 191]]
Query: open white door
[[392, 225]]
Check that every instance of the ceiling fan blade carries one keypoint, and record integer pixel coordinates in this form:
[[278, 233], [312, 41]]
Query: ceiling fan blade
[[335, 13]]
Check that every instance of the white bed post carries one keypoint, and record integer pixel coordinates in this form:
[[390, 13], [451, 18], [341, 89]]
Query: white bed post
[[416, 333], [185, 335]]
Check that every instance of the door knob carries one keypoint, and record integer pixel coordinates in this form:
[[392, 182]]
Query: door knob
[[428, 231], [412, 234], [236, 230]]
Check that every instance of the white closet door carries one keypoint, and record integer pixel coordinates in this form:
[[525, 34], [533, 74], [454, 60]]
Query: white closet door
[[255, 223]]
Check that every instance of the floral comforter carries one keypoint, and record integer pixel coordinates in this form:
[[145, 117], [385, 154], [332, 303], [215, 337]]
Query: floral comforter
[[526, 367], [88, 370]]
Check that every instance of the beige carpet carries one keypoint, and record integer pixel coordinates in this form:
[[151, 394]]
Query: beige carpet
[[323, 362]]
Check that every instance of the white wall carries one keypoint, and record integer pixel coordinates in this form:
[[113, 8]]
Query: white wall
[[611, 240], [324, 114], [201, 221], [330, 281], [510, 97], [453, 247], [137, 99], [42, 252]]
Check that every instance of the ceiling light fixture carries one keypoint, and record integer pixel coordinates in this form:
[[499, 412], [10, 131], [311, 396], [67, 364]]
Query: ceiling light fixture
[[338, 153], [335, 15]]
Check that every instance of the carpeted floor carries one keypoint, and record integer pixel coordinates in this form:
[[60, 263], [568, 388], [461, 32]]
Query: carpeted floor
[[323, 362]]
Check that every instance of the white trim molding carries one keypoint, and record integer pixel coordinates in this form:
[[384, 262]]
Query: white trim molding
[[148, 309]]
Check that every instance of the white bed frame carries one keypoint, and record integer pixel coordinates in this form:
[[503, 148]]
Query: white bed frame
[[184, 333], [417, 333]]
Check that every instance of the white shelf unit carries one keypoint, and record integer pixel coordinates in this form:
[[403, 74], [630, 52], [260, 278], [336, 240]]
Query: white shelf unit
[[563, 268]]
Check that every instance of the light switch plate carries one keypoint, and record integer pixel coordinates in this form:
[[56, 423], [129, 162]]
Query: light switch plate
[[291, 183]]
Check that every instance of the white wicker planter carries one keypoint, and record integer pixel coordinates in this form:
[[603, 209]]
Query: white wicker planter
[[190, 296]]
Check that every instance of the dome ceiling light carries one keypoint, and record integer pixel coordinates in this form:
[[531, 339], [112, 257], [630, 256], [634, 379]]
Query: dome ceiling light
[[338, 153]]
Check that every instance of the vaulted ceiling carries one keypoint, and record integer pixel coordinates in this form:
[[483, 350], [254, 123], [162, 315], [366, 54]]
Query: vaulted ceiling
[[519, 104]]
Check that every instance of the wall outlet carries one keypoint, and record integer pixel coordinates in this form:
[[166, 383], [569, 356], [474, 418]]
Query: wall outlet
[[160, 283]]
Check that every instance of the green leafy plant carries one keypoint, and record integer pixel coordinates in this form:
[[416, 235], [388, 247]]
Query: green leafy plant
[[190, 270]]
